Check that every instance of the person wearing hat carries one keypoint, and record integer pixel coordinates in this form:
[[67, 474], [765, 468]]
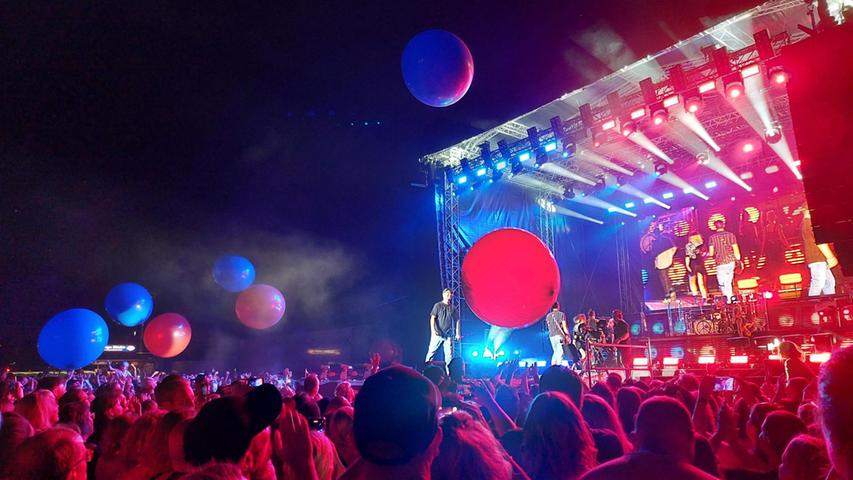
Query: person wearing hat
[[395, 426]]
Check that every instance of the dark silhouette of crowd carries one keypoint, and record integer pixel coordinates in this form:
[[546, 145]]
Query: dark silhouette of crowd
[[402, 424]]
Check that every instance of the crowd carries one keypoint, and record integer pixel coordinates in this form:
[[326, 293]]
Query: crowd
[[402, 424]]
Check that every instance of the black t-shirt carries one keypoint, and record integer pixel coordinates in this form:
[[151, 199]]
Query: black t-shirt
[[620, 328], [445, 318]]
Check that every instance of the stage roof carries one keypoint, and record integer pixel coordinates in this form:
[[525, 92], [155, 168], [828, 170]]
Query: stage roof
[[728, 122]]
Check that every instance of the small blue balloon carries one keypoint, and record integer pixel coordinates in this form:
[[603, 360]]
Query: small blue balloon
[[73, 339], [234, 273], [129, 304], [437, 68]]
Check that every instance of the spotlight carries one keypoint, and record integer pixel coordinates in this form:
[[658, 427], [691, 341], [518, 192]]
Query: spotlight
[[733, 85], [628, 127], [702, 159], [660, 168], [773, 135], [667, 195], [598, 138], [777, 74], [659, 115], [693, 101], [747, 147], [570, 193], [569, 148]]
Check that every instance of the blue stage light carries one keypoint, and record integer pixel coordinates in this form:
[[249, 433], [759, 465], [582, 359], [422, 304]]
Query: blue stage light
[[462, 179], [657, 328], [550, 146], [523, 156], [481, 171], [635, 329], [630, 205], [475, 354], [668, 195], [500, 165]]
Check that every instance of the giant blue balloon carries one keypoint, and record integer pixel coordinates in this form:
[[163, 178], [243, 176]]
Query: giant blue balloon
[[73, 339], [129, 304], [437, 68], [234, 273]]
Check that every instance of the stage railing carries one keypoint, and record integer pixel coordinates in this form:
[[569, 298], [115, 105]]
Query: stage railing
[[591, 346]]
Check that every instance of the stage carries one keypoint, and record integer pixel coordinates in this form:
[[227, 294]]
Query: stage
[[637, 182]]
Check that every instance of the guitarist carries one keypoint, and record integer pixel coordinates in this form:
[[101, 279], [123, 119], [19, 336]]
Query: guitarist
[[664, 250]]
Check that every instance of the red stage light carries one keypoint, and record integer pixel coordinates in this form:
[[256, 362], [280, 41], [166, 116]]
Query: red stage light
[[598, 138], [670, 362], [748, 147], [628, 128], [739, 359], [660, 116], [778, 75], [767, 295]]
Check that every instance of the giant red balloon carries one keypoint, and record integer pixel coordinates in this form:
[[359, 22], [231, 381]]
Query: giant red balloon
[[510, 278], [167, 335], [260, 306]]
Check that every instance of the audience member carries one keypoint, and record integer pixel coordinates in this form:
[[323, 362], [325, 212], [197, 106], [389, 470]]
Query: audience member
[[600, 415], [39, 408], [557, 443], [174, 393], [14, 429], [395, 426], [54, 454], [558, 378], [469, 450], [805, 458], [665, 446], [836, 409], [628, 400]]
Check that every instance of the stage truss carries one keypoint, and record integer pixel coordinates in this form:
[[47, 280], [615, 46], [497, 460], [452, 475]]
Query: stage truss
[[780, 17]]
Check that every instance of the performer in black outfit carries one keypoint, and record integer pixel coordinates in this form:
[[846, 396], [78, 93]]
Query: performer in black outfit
[[444, 328], [621, 335]]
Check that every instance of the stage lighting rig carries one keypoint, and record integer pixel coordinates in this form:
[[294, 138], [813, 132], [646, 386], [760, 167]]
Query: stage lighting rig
[[660, 114], [693, 101], [661, 168], [733, 85], [486, 153], [773, 134], [598, 139], [628, 128]]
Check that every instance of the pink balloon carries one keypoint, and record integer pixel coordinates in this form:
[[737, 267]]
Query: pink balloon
[[260, 306], [510, 278], [167, 335]]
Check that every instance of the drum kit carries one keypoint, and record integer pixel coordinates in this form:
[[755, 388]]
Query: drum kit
[[743, 315]]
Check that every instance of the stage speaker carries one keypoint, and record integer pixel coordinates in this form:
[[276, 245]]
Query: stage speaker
[[820, 91]]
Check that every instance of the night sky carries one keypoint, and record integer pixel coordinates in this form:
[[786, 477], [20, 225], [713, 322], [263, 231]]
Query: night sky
[[140, 142]]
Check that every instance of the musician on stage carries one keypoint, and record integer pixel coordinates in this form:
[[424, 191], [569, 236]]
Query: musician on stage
[[444, 328], [726, 253], [558, 333], [580, 338], [664, 250], [621, 334], [820, 260], [694, 260]]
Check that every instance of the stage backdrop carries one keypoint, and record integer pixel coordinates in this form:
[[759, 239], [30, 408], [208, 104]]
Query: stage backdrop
[[769, 233], [586, 254]]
